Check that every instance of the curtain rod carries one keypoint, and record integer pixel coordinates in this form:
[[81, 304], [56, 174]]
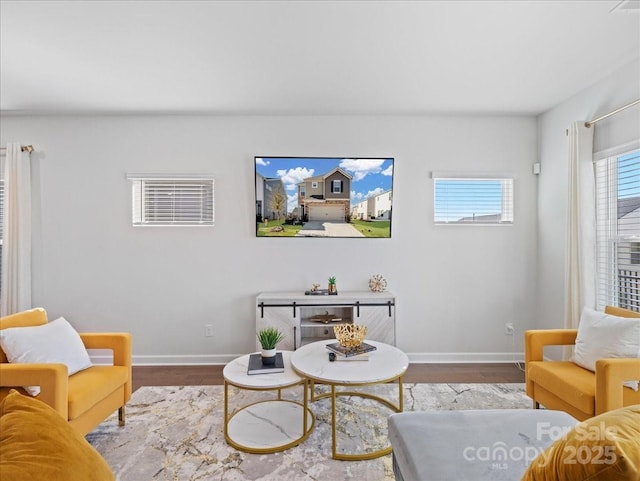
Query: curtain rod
[[591, 122], [24, 148]]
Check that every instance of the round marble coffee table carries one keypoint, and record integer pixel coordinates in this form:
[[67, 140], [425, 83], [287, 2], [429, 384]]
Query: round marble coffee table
[[271, 425], [385, 364]]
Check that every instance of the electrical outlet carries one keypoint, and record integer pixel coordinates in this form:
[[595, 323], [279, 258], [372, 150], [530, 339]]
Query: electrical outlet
[[208, 330], [508, 329]]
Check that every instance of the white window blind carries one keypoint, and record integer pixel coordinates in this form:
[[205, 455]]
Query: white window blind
[[1, 217], [618, 230], [172, 200], [1, 211], [460, 200]]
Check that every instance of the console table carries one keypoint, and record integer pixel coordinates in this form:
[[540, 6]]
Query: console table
[[293, 313]]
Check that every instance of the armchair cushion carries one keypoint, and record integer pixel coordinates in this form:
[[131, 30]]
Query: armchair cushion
[[573, 384], [37, 443], [603, 336], [56, 342], [89, 387]]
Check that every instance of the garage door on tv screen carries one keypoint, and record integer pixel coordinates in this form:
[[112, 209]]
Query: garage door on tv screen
[[323, 197]]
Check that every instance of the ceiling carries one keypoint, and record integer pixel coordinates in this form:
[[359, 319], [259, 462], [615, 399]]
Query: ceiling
[[307, 57]]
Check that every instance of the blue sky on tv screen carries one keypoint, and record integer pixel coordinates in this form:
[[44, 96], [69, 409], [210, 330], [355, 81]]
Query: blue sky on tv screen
[[369, 176]]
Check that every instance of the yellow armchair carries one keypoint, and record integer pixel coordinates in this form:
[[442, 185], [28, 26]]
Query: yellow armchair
[[87, 397], [565, 386]]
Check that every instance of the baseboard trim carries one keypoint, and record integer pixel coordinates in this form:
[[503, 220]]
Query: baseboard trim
[[417, 358], [466, 357], [179, 360]]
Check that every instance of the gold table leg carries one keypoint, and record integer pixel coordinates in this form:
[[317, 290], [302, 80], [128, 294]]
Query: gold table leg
[[334, 441], [226, 409]]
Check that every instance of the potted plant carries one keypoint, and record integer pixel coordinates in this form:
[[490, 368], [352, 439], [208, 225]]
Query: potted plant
[[332, 284], [269, 337]]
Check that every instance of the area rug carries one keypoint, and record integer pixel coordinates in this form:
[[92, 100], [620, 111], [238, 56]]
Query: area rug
[[176, 433]]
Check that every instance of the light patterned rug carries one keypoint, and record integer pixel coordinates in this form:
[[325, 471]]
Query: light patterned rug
[[176, 433]]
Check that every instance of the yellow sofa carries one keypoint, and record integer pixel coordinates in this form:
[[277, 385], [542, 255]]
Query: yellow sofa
[[87, 397], [565, 386]]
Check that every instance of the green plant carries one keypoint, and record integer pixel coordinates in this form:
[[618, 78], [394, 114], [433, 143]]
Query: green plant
[[332, 280], [269, 337]]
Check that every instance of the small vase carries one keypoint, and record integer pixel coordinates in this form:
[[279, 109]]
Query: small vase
[[332, 288], [268, 357]]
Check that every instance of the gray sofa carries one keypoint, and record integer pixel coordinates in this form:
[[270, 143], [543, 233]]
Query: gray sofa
[[475, 445]]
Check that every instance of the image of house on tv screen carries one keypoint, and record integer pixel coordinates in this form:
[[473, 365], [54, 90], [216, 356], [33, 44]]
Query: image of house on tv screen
[[323, 197]]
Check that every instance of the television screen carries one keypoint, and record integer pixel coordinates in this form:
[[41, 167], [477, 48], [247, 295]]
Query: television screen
[[323, 197]]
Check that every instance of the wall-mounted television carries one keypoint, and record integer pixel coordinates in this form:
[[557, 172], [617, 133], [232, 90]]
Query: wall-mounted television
[[323, 197]]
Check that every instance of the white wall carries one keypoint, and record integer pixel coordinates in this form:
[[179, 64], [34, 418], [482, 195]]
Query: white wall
[[456, 286], [605, 96]]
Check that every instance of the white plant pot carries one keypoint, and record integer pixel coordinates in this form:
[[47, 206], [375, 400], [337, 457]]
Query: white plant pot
[[268, 356]]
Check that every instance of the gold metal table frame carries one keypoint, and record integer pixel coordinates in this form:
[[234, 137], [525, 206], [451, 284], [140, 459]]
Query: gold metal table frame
[[308, 418], [237, 379], [334, 394]]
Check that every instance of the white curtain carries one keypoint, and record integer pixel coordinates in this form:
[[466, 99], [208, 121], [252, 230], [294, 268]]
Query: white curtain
[[580, 276], [16, 248]]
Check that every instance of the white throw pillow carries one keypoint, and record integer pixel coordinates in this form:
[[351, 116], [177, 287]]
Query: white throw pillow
[[602, 336], [54, 342]]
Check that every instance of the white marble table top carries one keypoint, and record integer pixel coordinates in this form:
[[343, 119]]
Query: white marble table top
[[236, 373], [385, 363]]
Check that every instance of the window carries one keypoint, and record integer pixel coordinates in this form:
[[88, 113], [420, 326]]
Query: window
[[635, 253], [1, 219], [336, 186], [314, 185], [618, 229], [172, 200], [460, 200]]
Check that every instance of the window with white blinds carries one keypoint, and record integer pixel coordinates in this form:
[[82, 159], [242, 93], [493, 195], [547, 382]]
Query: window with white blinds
[[1, 211], [473, 200], [618, 230], [1, 218], [172, 200]]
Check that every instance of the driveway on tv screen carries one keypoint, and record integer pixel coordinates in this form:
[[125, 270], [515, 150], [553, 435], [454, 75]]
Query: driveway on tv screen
[[328, 229]]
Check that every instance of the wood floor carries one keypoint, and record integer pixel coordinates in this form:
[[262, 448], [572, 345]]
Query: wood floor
[[433, 373]]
